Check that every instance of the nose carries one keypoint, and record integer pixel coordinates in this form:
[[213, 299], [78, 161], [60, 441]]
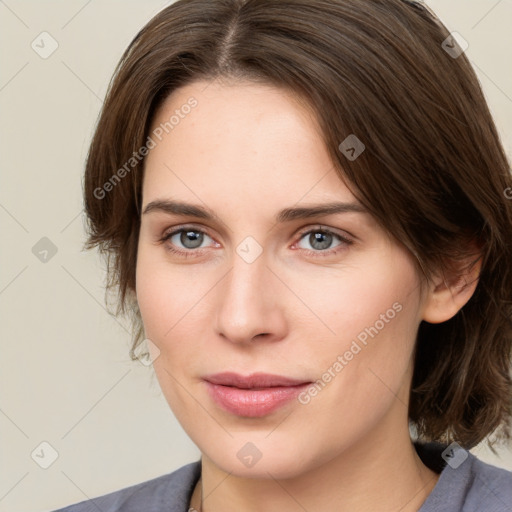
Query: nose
[[250, 303]]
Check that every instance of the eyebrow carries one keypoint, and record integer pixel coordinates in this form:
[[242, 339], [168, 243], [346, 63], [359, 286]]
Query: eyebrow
[[285, 215]]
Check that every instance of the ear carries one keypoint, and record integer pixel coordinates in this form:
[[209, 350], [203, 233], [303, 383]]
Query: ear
[[445, 299]]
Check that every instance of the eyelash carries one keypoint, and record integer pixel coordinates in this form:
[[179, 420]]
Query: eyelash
[[316, 254]]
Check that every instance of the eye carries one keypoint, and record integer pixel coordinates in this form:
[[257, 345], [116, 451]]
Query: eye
[[190, 238], [321, 241], [185, 240]]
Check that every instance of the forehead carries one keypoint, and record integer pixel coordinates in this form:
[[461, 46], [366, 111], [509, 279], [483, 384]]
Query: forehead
[[239, 140]]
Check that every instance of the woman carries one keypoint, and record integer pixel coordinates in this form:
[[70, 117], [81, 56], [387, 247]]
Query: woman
[[305, 210]]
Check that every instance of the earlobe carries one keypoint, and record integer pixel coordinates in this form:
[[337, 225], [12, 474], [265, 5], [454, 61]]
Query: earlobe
[[445, 299]]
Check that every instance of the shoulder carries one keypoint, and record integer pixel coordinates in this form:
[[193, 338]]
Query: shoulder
[[467, 483], [491, 487], [169, 492]]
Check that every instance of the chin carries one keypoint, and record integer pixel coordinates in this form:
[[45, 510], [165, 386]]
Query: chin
[[263, 459]]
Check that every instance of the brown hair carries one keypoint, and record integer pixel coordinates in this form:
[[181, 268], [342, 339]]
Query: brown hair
[[433, 174]]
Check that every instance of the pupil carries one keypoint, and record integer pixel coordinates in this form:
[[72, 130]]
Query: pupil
[[324, 240], [191, 239]]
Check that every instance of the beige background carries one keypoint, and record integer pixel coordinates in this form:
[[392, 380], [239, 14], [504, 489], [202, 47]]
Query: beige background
[[65, 374]]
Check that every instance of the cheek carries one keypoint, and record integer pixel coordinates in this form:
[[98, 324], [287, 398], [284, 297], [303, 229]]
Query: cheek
[[173, 302], [357, 301], [165, 293], [163, 307], [153, 299], [367, 332]]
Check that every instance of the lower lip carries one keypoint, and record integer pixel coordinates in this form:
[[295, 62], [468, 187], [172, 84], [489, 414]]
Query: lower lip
[[253, 403]]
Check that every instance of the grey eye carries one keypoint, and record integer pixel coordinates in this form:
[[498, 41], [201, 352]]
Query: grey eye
[[188, 238], [320, 240]]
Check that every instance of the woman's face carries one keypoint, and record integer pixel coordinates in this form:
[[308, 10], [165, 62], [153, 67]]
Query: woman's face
[[257, 287]]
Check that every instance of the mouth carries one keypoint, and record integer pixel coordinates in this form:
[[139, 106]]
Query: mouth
[[254, 395]]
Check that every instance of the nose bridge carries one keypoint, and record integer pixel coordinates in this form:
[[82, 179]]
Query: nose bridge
[[248, 303]]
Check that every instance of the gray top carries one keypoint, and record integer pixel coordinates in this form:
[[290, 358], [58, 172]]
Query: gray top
[[466, 484]]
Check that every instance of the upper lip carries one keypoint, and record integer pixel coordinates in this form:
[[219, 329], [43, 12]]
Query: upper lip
[[255, 380]]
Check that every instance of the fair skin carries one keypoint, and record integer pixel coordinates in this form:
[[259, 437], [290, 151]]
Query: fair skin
[[246, 152]]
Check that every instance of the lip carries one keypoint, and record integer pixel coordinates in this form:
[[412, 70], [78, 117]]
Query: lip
[[255, 395]]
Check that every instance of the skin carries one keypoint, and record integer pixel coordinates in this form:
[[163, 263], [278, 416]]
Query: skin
[[246, 151]]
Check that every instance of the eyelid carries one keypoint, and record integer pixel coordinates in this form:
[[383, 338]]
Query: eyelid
[[184, 226], [344, 235]]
